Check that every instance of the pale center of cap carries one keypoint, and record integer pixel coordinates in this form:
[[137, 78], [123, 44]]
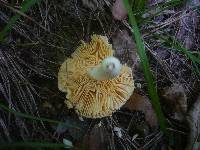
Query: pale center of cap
[[109, 68]]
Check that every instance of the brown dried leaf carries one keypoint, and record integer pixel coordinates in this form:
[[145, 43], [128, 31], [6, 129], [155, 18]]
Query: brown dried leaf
[[176, 98], [119, 12], [142, 103], [194, 123], [125, 48]]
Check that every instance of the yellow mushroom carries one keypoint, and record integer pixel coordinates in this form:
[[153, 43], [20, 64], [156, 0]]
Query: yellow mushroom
[[96, 83]]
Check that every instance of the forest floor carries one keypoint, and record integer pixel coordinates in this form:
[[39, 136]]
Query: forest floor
[[32, 109]]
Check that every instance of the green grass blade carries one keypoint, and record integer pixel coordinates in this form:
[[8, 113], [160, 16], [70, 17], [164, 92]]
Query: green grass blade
[[33, 145], [195, 60], [139, 5], [146, 68], [185, 51], [24, 7], [161, 6], [171, 42], [36, 118]]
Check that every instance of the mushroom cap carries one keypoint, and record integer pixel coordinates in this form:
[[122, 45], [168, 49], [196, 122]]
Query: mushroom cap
[[93, 98]]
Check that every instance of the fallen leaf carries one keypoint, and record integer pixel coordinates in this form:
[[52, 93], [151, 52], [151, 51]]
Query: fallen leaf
[[125, 48], [194, 123], [176, 98], [142, 103], [119, 11]]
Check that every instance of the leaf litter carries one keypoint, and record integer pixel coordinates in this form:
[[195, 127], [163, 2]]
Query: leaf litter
[[128, 128]]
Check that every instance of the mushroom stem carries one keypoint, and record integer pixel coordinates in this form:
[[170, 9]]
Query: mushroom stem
[[108, 69]]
